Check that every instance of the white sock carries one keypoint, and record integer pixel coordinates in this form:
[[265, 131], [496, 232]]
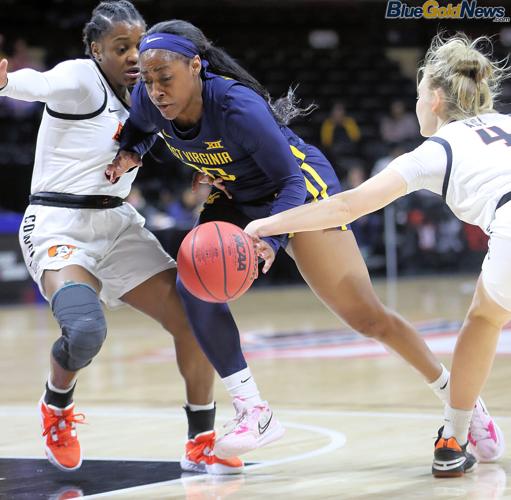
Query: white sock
[[441, 385], [56, 389], [242, 384], [192, 407], [456, 424]]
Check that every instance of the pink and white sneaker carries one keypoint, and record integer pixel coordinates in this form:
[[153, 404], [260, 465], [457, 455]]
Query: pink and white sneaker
[[251, 428], [486, 440]]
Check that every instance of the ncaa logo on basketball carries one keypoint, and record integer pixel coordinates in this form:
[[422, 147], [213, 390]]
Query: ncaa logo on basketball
[[240, 250], [217, 262], [436, 9], [61, 251], [214, 144]]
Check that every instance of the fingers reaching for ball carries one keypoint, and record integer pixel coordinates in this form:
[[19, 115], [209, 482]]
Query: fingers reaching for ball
[[264, 251]]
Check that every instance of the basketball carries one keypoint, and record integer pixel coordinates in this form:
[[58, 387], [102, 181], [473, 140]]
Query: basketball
[[216, 262]]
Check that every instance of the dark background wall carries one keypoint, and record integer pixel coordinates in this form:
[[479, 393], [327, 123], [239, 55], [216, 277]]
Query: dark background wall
[[366, 69]]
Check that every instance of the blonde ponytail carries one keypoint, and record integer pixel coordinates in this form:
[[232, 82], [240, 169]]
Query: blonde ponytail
[[464, 71]]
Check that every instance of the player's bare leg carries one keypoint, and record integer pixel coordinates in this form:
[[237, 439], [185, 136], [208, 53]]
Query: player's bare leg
[[332, 265], [157, 297], [56, 407], [472, 361]]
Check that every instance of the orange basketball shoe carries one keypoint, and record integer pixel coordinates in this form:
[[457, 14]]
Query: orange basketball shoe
[[59, 426], [199, 457]]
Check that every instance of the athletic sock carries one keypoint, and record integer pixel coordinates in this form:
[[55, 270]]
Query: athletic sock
[[441, 385], [242, 384], [58, 397], [201, 418], [456, 424]]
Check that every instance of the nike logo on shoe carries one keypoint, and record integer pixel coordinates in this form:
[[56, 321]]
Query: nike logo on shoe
[[112, 110], [444, 386], [246, 380], [262, 428]]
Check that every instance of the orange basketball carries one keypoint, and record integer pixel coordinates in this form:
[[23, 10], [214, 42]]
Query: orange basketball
[[216, 262]]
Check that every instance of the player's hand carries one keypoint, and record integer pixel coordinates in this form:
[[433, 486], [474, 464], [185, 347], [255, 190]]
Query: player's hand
[[124, 161], [262, 248], [3, 73], [200, 178], [253, 229], [264, 251]]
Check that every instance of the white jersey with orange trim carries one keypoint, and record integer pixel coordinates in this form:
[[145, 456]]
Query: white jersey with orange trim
[[78, 134], [76, 141], [468, 162]]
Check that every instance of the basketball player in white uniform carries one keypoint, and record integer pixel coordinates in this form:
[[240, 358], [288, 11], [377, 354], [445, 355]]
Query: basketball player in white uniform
[[82, 244], [467, 160]]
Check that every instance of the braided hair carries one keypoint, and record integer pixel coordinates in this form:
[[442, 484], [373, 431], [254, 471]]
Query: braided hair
[[104, 16], [284, 109]]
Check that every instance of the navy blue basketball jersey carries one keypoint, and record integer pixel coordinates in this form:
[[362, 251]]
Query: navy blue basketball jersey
[[238, 140]]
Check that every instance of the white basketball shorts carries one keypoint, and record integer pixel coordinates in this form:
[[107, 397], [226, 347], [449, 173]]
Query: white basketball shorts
[[496, 269], [112, 244]]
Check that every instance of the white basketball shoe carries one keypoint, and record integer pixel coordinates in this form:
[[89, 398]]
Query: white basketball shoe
[[251, 428], [486, 440]]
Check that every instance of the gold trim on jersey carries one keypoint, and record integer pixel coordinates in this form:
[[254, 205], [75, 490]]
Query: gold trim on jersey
[[212, 197], [318, 179], [313, 190]]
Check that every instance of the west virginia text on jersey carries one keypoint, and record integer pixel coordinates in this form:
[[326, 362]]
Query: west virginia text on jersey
[[239, 141]]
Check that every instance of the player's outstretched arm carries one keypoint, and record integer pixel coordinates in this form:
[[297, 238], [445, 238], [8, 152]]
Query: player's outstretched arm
[[70, 87], [3, 73], [335, 211]]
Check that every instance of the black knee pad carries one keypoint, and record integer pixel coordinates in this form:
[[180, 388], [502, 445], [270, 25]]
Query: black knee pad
[[78, 311]]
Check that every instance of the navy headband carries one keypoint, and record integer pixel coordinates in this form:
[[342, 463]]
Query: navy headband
[[166, 41]]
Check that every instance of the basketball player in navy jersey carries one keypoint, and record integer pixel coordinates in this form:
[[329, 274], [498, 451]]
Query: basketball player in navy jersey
[[77, 226], [217, 119]]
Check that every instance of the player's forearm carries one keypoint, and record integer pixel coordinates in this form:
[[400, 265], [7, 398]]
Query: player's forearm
[[338, 210], [331, 212], [136, 140], [26, 85], [292, 193]]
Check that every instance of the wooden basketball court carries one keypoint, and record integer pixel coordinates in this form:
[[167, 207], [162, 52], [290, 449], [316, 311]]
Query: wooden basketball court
[[360, 423]]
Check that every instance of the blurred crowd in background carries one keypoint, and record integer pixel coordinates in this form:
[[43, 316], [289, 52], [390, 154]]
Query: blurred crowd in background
[[343, 56]]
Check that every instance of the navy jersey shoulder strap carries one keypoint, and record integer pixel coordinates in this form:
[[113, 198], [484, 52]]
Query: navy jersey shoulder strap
[[448, 167], [70, 116]]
